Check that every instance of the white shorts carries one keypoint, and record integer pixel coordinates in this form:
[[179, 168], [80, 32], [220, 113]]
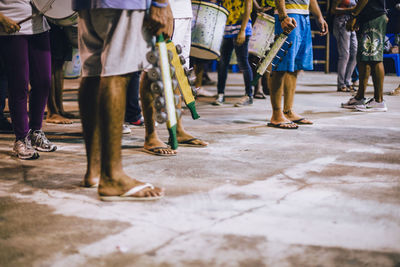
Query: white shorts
[[112, 42], [183, 36]]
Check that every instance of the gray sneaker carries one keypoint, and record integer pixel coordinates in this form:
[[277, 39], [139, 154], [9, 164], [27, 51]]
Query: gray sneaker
[[244, 101], [372, 105], [40, 141], [353, 102], [220, 100], [23, 149]]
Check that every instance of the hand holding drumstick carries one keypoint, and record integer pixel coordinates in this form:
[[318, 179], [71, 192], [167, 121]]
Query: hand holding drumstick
[[8, 25]]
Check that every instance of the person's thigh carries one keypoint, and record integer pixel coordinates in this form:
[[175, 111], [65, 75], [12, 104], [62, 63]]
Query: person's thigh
[[113, 42], [371, 39], [304, 56]]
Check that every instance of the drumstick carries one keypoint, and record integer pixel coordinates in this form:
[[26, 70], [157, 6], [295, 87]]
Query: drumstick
[[45, 8]]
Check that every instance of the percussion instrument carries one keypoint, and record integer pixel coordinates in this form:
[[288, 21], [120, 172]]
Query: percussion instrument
[[181, 75], [59, 12], [263, 34], [208, 26]]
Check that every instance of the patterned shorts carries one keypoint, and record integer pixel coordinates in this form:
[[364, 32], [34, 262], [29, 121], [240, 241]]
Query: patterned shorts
[[371, 39]]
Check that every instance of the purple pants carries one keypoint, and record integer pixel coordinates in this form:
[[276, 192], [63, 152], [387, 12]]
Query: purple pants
[[27, 60]]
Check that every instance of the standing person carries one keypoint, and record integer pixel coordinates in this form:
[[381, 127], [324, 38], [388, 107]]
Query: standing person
[[370, 17], [26, 52], [114, 37], [346, 45], [62, 41], [237, 35], [133, 113], [182, 14], [293, 16]]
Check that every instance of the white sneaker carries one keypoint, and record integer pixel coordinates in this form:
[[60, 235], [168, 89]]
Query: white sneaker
[[371, 105], [126, 129], [353, 102]]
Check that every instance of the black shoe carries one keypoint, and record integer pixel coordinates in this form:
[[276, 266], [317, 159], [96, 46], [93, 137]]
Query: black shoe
[[5, 125]]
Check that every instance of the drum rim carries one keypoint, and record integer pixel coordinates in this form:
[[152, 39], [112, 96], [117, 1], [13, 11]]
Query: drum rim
[[203, 47], [266, 16], [74, 13], [221, 8]]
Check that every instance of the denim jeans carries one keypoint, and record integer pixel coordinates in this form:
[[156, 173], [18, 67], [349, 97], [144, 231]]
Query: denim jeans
[[133, 111], [347, 50], [242, 54]]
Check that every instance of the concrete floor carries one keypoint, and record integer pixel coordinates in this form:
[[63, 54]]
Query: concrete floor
[[323, 195]]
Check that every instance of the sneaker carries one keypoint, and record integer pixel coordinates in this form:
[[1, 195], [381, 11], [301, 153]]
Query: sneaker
[[220, 100], [139, 122], [244, 101], [40, 141], [126, 129], [24, 150], [353, 102], [372, 105], [5, 125]]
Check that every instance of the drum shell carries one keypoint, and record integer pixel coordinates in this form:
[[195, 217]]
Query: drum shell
[[60, 12], [263, 34], [208, 26]]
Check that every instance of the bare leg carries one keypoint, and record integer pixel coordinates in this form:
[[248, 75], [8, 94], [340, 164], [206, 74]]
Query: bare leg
[[277, 82], [364, 71], [378, 75], [88, 106], [289, 92], [54, 103], [151, 138], [112, 101], [182, 135]]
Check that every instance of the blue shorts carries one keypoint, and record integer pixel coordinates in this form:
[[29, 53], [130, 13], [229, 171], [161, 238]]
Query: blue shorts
[[300, 54]]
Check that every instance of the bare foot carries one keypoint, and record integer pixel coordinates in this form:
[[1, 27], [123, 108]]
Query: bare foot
[[158, 147], [294, 117], [123, 184], [90, 181], [189, 140], [69, 115], [58, 119]]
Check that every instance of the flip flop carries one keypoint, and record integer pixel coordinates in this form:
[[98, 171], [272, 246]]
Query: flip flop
[[154, 150], [189, 143], [128, 196], [281, 125], [302, 121], [259, 96]]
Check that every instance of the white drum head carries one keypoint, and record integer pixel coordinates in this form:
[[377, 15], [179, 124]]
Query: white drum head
[[60, 9]]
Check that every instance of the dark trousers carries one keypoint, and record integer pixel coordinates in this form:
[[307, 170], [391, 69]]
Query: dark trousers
[[27, 60], [242, 54], [133, 111]]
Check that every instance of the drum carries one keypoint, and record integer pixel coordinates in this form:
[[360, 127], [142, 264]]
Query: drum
[[263, 35], [208, 27], [60, 12]]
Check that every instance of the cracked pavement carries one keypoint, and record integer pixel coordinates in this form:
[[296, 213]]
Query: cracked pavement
[[322, 195]]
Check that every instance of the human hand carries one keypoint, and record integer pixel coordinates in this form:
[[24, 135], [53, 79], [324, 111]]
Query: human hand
[[352, 25], [288, 24], [241, 37], [8, 25], [323, 26], [160, 21]]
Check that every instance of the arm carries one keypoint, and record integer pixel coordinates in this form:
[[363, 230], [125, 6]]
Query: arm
[[323, 26], [160, 19], [352, 24], [287, 23], [8, 25], [246, 16]]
